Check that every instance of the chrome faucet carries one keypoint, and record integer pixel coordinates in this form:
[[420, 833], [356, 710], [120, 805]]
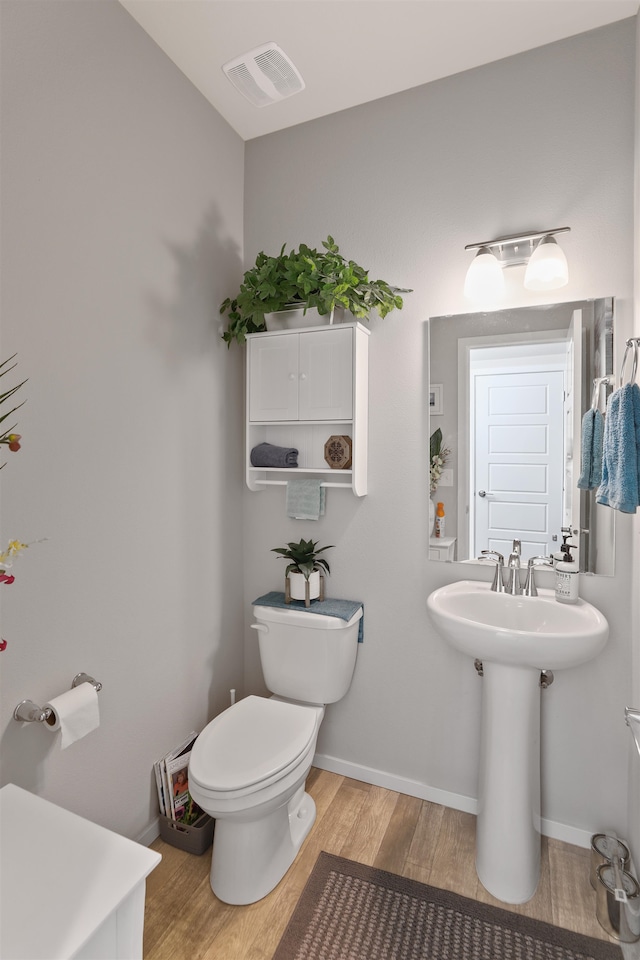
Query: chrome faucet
[[514, 586], [498, 582], [529, 589]]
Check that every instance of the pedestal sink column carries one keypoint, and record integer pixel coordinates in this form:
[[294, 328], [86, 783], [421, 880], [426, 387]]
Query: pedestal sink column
[[508, 827]]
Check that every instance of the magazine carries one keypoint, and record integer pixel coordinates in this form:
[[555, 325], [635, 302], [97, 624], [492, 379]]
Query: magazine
[[183, 807], [161, 777], [171, 773]]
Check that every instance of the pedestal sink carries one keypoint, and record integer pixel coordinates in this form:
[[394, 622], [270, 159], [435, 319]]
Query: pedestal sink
[[515, 637]]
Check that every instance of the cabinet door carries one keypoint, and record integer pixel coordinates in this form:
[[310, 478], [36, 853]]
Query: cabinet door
[[326, 375], [273, 378]]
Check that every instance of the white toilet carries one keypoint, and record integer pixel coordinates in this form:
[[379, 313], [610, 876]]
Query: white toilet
[[249, 765]]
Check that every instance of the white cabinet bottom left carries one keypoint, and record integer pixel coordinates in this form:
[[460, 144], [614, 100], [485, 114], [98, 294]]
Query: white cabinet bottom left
[[70, 889]]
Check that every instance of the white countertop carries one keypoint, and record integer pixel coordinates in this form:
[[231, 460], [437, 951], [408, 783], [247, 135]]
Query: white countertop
[[61, 876]]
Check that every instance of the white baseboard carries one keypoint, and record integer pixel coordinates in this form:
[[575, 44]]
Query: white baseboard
[[148, 835], [413, 788], [457, 801]]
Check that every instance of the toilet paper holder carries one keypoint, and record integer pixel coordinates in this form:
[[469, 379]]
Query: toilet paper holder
[[27, 711]]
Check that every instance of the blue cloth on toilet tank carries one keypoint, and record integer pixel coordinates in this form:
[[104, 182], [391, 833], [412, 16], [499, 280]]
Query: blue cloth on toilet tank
[[344, 609]]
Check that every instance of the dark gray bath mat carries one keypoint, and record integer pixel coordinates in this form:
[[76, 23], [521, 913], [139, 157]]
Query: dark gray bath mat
[[349, 911]]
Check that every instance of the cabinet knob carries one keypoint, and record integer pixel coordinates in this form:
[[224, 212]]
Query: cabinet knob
[[303, 376], [292, 376]]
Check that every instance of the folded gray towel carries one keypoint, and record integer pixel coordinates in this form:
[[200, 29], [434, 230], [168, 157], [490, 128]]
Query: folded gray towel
[[269, 455]]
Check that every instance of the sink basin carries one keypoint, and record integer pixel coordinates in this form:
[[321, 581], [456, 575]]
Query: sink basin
[[536, 632]]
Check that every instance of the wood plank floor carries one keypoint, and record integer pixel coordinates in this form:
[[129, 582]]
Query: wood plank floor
[[407, 836]]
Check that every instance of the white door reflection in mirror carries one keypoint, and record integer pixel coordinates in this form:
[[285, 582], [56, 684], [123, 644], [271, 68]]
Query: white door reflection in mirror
[[518, 455]]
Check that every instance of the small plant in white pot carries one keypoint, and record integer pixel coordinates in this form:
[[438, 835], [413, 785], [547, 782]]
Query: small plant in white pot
[[303, 579]]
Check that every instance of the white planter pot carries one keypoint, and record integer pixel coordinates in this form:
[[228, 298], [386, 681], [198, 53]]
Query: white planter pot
[[297, 586], [295, 318]]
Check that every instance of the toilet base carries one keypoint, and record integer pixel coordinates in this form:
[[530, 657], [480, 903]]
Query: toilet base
[[250, 858]]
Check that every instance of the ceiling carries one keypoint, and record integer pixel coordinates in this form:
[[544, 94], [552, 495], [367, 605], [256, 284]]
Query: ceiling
[[353, 51]]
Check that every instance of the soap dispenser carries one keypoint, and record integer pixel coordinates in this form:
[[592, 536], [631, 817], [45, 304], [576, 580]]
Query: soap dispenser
[[561, 554], [567, 573]]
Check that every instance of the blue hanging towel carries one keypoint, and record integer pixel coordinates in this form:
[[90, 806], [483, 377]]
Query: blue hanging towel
[[620, 487], [592, 448]]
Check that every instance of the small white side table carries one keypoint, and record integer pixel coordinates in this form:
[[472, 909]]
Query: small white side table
[[442, 548], [69, 888]]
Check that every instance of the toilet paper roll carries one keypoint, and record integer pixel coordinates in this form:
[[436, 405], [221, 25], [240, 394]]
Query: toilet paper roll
[[74, 713]]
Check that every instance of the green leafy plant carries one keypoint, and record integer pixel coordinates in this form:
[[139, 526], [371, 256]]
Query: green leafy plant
[[305, 278], [10, 439], [438, 456], [304, 557]]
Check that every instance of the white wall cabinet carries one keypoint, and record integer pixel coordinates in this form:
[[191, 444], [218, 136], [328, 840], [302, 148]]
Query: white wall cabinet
[[304, 386]]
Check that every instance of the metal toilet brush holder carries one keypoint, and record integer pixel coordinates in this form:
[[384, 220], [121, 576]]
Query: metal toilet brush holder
[[604, 849], [618, 902]]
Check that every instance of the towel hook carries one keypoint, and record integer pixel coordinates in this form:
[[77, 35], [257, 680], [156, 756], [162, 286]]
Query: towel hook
[[635, 343], [597, 383]]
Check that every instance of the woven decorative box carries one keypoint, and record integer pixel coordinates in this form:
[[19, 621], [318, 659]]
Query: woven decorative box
[[337, 452]]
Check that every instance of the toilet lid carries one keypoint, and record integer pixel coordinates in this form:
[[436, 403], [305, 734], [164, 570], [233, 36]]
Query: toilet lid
[[250, 742]]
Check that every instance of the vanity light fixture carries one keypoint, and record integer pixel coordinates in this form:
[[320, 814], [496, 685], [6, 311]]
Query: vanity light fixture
[[484, 281], [546, 264]]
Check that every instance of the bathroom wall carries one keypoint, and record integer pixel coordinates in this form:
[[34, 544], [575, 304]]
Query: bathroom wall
[[122, 232], [544, 139], [634, 759]]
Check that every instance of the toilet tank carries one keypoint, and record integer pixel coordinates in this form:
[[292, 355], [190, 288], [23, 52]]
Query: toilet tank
[[306, 656]]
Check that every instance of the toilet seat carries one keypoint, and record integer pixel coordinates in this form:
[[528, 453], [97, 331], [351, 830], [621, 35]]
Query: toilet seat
[[251, 745]]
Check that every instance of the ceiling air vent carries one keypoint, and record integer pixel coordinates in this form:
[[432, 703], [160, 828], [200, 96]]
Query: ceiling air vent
[[264, 75]]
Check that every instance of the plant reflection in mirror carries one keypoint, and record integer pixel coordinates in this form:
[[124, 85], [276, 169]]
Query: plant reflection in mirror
[[438, 457]]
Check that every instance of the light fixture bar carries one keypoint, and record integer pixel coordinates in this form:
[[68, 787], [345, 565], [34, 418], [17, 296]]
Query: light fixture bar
[[516, 238]]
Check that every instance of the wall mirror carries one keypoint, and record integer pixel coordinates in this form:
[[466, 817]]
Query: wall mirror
[[508, 389]]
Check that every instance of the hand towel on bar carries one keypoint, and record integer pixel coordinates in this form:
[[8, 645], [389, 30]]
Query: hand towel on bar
[[344, 609], [620, 487], [269, 455], [305, 499], [592, 443]]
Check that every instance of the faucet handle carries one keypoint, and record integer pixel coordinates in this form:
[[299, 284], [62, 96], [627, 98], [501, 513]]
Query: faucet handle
[[498, 583], [517, 548], [491, 554], [529, 589]]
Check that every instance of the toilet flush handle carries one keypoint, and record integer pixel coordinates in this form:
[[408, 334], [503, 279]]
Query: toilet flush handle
[[260, 626]]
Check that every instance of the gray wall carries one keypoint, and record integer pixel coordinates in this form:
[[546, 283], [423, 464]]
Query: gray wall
[[544, 139], [122, 231], [634, 759]]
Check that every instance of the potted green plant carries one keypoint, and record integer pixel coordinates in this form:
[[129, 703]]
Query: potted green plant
[[305, 278], [302, 574]]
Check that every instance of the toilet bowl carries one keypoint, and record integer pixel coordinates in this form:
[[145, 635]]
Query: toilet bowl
[[249, 765], [248, 772]]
